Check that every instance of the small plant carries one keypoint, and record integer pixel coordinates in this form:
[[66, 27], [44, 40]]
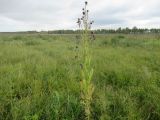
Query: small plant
[[86, 85]]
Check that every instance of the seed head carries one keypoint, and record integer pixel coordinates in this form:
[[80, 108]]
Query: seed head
[[81, 66], [86, 3], [78, 20], [76, 57]]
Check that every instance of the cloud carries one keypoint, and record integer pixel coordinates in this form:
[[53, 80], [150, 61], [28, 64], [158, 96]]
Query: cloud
[[19, 15]]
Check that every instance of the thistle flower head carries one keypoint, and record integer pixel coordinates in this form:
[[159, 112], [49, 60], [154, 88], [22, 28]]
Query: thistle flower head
[[81, 65], [84, 22], [86, 2], [78, 20]]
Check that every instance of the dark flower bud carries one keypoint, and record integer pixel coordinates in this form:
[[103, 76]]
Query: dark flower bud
[[81, 66], [78, 20], [87, 10], [86, 3], [76, 57], [94, 38], [83, 13]]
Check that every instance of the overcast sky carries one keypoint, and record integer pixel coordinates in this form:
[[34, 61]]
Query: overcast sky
[[21, 15]]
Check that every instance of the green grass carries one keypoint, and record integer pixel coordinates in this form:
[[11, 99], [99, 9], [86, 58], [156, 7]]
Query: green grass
[[39, 78]]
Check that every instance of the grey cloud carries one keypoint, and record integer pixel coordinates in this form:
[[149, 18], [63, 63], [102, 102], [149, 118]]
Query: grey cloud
[[52, 14], [109, 21]]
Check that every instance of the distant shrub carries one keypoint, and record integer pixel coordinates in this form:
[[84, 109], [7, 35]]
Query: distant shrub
[[18, 38], [43, 37], [121, 37], [6, 39], [71, 48], [104, 43], [123, 42], [115, 41], [31, 43]]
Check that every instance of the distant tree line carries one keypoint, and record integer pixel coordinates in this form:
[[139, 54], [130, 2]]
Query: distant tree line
[[133, 30], [127, 30]]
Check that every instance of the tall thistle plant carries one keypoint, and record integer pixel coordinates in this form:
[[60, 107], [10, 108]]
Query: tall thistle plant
[[86, 85]]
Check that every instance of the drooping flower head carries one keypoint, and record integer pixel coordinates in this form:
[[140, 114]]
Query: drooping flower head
[[86, 2]]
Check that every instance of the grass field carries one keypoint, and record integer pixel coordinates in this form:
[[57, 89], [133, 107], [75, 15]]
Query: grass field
[[40, 77]]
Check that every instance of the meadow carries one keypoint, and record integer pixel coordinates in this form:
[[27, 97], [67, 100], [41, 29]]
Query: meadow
[[40, 77]]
